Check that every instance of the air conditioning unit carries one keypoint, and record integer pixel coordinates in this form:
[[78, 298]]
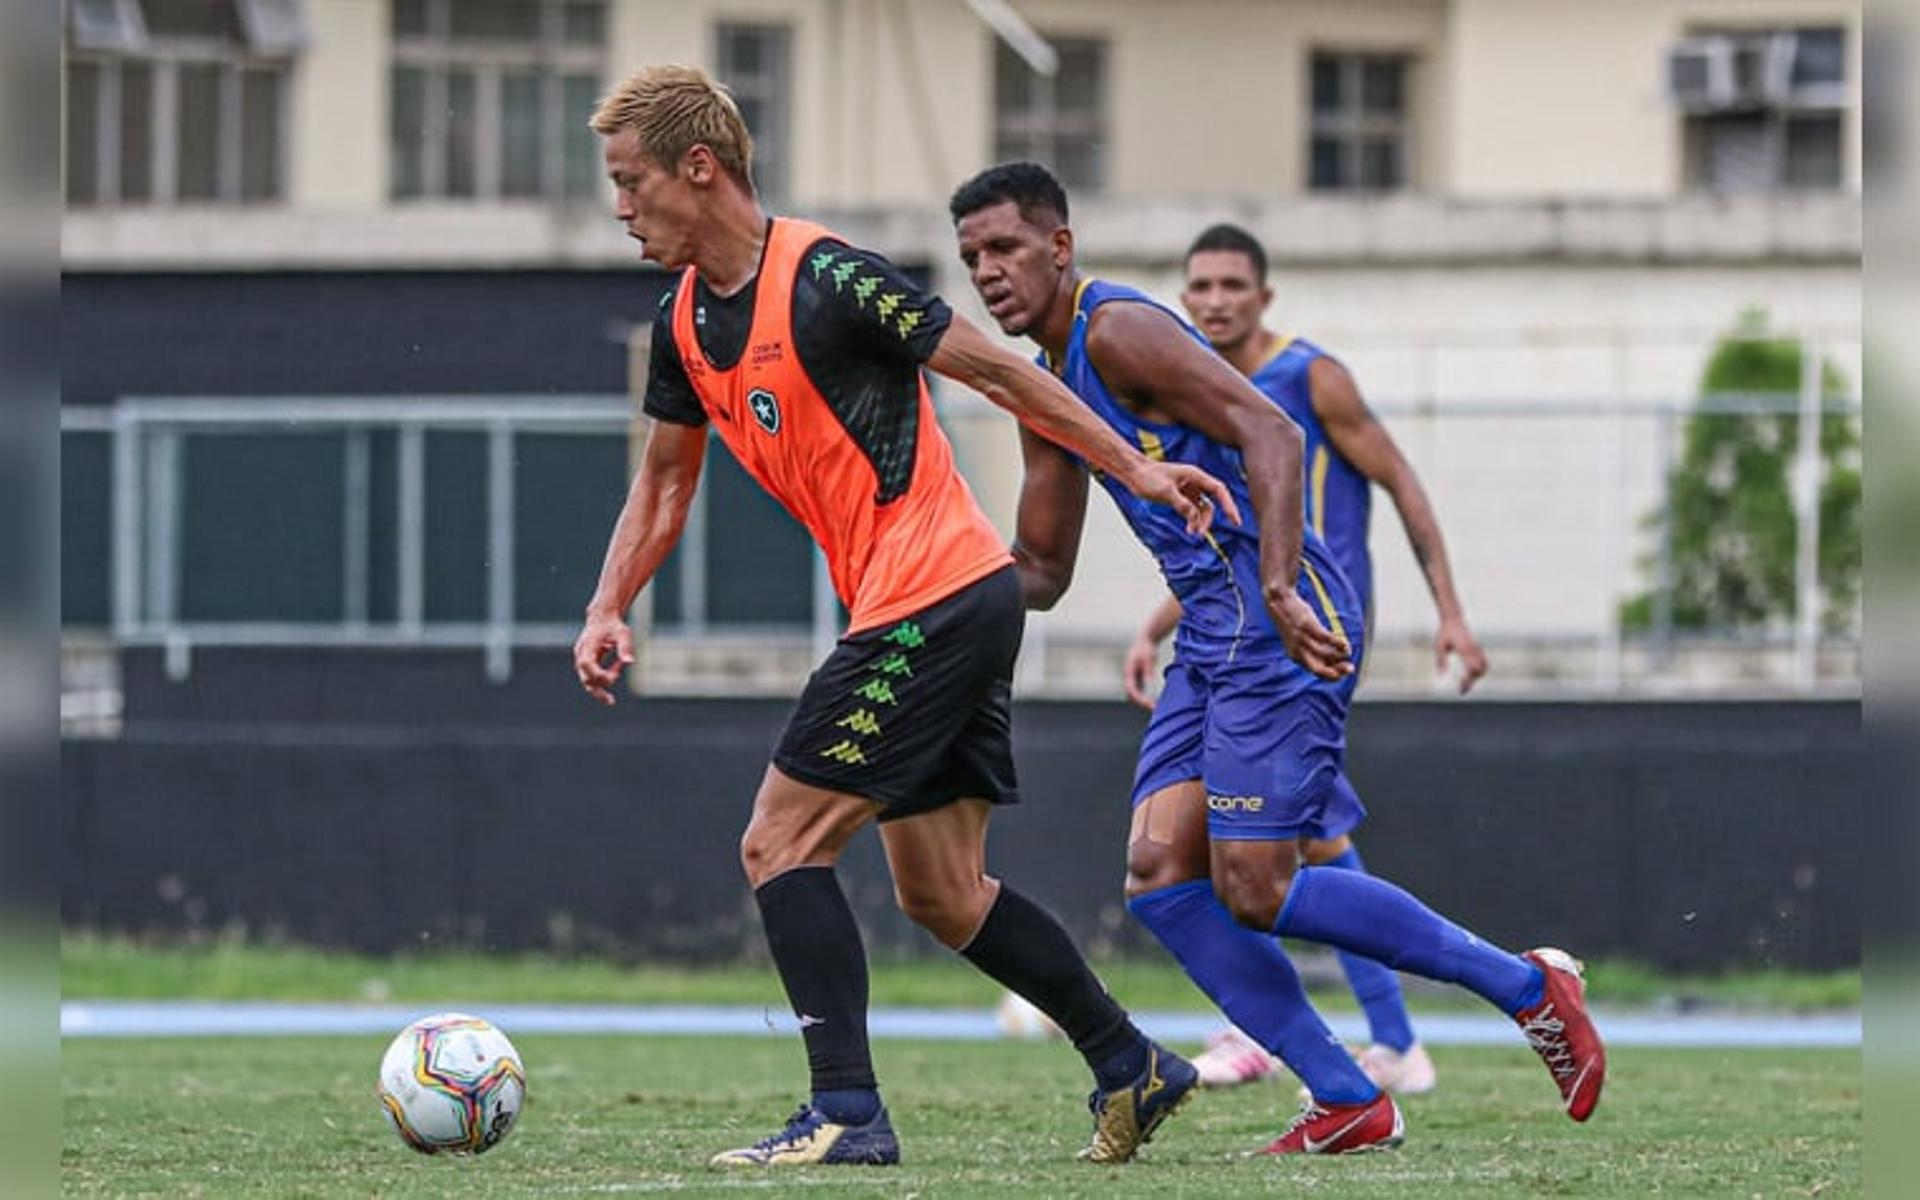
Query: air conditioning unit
[[1763, 67], [1732, 71], [113, 25], [1700, 74]]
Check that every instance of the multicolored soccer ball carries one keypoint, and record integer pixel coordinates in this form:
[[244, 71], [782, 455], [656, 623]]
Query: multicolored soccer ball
[[452, 1084]]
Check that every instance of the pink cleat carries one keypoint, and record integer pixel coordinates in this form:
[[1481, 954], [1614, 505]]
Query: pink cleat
[[1232, 1058], [1408, 1073]]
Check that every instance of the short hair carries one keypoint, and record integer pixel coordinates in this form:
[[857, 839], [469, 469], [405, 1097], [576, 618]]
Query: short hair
[[1028, 185], [1231, 237], [675, 108]]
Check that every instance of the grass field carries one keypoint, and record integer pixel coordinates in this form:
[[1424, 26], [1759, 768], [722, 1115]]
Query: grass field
[[296, 1117], [98, 968], [606, 1116]]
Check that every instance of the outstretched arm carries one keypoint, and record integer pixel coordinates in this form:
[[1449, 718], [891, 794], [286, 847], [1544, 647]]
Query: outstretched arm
[[1043, 404], [1143, 353], [1364, 442], [650, 523]]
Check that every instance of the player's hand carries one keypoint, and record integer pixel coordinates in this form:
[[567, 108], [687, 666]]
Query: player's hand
[[1189, 491], [1455, 638], [1137, 673], [1308, 642], [603, 649]]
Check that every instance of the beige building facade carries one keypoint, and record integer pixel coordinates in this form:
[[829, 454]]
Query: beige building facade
[[892, 100], [886, 103]]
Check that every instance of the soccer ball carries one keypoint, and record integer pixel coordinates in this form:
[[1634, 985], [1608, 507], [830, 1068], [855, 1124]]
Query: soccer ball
[[452, 1083]]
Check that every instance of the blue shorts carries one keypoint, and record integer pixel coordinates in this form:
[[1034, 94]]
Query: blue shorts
[[1265, 737]]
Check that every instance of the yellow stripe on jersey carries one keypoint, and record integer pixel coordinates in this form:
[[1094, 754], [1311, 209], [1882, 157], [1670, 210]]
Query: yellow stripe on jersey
[[1280, 344], [1320, 462], [1151, 446], [1078, 291], [1326, 601], [1239, 601]]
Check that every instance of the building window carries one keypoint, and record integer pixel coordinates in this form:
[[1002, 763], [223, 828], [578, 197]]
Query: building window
[[178, 101], [1059, 122], [753, 61], [490, 99], [1763, 110], [1361, 138]]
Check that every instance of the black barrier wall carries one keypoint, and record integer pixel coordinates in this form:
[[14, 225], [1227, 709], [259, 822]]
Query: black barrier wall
[[389, 801]]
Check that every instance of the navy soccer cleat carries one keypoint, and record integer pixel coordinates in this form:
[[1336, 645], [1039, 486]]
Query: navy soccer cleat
[[1125, 1118], [810, 1138]]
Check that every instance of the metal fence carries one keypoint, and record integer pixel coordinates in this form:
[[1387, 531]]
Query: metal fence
[[480, 522]]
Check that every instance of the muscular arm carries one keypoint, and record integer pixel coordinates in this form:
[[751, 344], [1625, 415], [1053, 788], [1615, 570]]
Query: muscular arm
[[1053, 510], [1363, 441], [649, 524], [1145, 355], [1043, 404]]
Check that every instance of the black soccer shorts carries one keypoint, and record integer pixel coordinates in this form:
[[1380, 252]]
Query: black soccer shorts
[[915, 714]]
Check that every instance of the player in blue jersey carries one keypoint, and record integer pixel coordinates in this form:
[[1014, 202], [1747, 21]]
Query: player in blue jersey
[[1346, 451], [1242, 760]]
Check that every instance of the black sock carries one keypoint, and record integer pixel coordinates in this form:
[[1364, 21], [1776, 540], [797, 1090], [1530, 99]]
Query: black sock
[[816, 946], [1022, 946]]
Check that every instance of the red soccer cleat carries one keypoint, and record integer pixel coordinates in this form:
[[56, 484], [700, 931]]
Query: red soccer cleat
[[1562, 1034], [1342, 1128]]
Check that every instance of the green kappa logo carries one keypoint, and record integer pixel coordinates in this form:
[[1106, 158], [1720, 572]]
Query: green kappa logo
[[766, 409]]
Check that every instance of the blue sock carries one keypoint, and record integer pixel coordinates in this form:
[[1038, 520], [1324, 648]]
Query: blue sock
[[1254, 983], [1376, 987], [848, 1106], [1372, 917]]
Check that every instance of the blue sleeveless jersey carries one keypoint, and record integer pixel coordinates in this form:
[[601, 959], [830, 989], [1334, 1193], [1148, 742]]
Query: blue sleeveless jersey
[[1339, 497], [1217, 576]]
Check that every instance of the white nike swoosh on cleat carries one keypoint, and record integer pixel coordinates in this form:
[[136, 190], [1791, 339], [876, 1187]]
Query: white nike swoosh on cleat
[[1573, 1093], [1313, 1147]]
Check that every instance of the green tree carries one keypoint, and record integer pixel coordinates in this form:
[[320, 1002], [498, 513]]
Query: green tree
[[1730, 497]]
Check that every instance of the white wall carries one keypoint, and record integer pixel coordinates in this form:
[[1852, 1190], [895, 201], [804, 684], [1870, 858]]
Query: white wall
[[337, 154]]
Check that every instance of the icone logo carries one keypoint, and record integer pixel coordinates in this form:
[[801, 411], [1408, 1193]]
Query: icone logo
[[1227, 804]]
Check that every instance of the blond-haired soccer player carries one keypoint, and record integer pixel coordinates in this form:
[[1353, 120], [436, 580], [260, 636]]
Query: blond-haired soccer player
[[804, 354]]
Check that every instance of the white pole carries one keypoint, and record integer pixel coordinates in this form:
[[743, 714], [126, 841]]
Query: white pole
[[356, 536], [1806, 495], [1611, 651], [500, 600], [127, 537], [412, 547]]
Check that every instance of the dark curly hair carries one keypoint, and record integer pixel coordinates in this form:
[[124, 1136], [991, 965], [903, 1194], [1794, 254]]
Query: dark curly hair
[[1028, 185]]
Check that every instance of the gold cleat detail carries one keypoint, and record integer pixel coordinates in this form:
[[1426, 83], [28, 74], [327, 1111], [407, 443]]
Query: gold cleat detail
[[1117, 1132], [797, 1152]]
